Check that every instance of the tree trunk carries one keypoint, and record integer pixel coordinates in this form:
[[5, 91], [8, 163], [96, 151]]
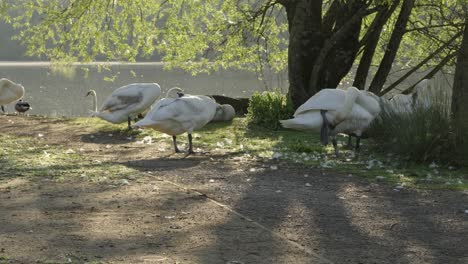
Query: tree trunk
[[460, 91], [305, 40], [339, 50], [392, 48], [332, 61]]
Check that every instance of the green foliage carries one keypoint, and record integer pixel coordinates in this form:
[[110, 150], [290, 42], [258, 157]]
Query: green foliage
[[267, 108], [424, 134], [194, 35]]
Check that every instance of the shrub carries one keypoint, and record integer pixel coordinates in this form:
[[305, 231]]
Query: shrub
[[267, 108], [424, 134]]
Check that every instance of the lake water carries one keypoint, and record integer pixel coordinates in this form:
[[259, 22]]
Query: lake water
[[61, 92]]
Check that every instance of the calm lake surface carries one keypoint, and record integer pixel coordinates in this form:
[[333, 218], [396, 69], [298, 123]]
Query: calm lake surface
[[61, 92]]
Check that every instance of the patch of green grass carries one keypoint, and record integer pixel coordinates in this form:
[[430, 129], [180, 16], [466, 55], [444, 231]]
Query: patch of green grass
[[32, 157], [305, 148], [35, 158], [4, 259], [102, 126]]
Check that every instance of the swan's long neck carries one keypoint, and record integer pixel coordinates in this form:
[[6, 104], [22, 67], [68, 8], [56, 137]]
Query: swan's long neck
[[171, 93], [350, 99]]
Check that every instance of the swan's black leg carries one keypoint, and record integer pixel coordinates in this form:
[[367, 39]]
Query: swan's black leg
[[335, 146], [3, 109], [175, 144], [190, 150], [129, 119], [358, 140], [324, 129], [350, 141]]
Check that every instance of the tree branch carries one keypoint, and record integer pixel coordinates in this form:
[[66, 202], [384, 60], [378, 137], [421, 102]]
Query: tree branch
[[431, 74], [392, 47], [415, 68], [371, 38]]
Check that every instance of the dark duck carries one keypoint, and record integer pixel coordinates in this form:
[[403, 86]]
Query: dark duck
[[22, 106]]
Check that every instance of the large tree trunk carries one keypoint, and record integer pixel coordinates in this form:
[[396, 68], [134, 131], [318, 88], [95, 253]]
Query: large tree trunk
[[305, 40], [460, 91], [392, 48], [320, 54], [340, 47]]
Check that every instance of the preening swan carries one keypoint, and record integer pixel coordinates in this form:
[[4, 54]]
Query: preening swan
[[126, 102], [179, 114], [333, 111], [9, 92], [224, 112], [371, 103]]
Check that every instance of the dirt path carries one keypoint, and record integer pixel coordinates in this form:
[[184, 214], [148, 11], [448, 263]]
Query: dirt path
[[218, 209]]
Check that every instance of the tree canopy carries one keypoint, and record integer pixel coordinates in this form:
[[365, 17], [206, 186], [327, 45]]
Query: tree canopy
[[317, 41], [194, 35]]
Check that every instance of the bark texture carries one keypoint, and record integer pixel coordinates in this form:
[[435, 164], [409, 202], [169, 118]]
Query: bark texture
[[460, 87]]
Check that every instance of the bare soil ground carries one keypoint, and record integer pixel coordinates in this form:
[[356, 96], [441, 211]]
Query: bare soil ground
[[217, 208]]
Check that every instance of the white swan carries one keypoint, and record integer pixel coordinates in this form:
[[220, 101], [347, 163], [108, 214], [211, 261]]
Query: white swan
[[126, 102], [180, 114], [224, 112], [402, 103], [372, 104], [333, 111], [422, 96], [174, 92], [9, 92]]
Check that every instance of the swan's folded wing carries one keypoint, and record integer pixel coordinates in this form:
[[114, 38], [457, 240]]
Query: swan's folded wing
[[182, 109], [326, 99], [134, 88], [118, 102]]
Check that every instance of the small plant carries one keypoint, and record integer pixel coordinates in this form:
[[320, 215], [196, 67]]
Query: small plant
[[267, 108]]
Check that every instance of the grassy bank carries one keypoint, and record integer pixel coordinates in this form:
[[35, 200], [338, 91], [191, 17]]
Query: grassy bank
[[33, 157]]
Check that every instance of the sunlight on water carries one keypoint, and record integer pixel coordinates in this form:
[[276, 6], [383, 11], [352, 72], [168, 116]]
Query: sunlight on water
[[56, 91]]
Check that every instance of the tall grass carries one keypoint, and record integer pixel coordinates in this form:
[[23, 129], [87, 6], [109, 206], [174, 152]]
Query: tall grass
[[267, 108], [425, 133]]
